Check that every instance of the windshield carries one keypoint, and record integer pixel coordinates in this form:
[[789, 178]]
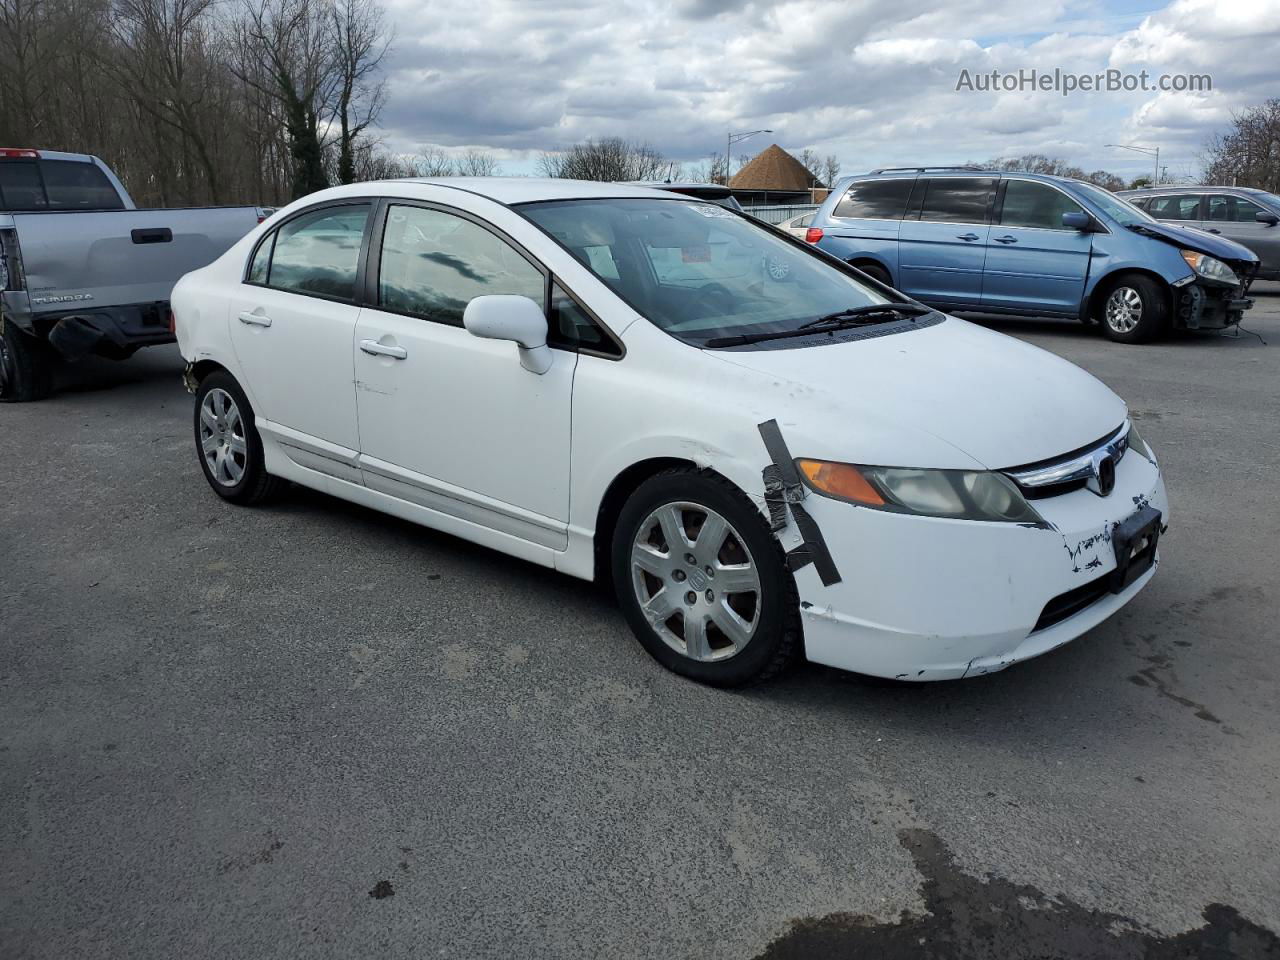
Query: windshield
[[1116, 208], [698, 270]]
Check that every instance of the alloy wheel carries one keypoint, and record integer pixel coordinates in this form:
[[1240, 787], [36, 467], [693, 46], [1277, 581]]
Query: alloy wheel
[[1124, 309], [222, 439], [696, 581]]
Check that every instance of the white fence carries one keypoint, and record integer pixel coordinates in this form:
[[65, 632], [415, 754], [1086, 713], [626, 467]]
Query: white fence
[[776, 213]]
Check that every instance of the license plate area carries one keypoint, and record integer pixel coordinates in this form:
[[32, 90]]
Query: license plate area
[[1135, 541]]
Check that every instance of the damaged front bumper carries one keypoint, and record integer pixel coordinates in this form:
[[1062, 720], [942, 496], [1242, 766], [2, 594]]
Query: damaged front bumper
[[934, 599], [1204, 304]]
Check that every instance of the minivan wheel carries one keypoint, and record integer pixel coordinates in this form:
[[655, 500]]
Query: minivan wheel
[[228, 445], [875, 272], [702, 582], [1134, 310], [26, 366]]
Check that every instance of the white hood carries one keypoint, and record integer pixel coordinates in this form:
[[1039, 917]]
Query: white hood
[[1002, 402]]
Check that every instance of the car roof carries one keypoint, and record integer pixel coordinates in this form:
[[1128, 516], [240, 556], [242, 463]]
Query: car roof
[[947, 173], [1183, 188], [509, 190]]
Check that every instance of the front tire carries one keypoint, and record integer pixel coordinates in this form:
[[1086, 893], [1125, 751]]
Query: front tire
[[702, 581], [26, 366], [228, 445], [1135, 309]]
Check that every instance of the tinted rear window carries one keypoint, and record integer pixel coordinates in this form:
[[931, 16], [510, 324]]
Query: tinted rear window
[[876, 200], [1183, 206], [56, 185], [958, 200]]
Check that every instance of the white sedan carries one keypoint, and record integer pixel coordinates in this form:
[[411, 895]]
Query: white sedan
[[766, 452]]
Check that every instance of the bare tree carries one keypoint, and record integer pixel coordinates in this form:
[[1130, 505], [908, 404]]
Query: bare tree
[[282, 49], [360, 40], [476, 163], [1248, 154], [830, 169], [608, 159], [811, 162], [1055, 166], [432, 162]]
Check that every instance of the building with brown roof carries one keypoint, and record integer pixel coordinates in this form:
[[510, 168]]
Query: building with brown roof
[[775, 176]]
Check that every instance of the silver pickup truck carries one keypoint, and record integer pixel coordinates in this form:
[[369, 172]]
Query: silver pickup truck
[[83, 271]]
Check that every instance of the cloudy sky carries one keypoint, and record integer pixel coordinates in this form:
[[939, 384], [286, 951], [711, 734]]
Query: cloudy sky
[[872, 81]]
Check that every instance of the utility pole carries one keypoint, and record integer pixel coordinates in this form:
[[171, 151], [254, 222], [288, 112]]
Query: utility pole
[[1149, 151], [728, 148]]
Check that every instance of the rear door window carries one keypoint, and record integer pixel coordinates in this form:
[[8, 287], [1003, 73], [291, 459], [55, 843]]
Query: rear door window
[[875, 200], [1031, 204], [957, 199], [76, 185], [1232, 210], [1178, 206], [319, 252]]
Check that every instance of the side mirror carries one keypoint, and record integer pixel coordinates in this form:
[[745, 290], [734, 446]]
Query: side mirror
[[1267, 217], [519, 319], [1075, 220]]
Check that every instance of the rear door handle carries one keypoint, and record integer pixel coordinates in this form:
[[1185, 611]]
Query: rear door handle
[[1006, 239], [255, 319], [1213, 230], [376, 349], [967, 236]]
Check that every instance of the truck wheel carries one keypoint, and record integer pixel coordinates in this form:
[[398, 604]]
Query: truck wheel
[[1135, 309], [703, 583], [228, 444], [26, 366]]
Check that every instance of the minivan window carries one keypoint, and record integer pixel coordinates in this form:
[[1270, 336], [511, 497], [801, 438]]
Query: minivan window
[[875, 200], [434, 263], [1031, 204], [319, 252], [957, 200], [1122, 213], [1232, 210], [1179, 206]]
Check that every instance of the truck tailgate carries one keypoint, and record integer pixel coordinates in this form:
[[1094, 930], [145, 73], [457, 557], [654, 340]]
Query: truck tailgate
[[114, 258]]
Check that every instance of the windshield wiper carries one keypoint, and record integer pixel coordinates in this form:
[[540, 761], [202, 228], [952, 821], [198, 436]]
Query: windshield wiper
[[841, 319], [856, 315]]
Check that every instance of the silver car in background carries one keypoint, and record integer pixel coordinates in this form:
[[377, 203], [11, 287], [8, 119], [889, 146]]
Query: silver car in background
[[1242, 214]]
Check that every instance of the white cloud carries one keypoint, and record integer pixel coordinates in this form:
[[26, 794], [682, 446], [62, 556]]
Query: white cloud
[[874, 82]]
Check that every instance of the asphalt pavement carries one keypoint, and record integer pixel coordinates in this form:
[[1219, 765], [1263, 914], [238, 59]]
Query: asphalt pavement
[[313, 730]]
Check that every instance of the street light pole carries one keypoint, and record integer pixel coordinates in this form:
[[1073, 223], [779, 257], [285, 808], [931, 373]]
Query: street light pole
[[728, 148], [1149, 151]]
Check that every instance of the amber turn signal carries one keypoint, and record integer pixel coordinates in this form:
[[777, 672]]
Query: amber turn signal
[[841, 480]]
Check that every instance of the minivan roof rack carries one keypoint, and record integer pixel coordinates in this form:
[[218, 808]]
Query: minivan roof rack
[[964, 166]]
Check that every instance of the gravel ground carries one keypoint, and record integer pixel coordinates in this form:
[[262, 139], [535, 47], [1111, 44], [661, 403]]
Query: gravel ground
[[312, 730]]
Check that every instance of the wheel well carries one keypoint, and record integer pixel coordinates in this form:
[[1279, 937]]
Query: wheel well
[[202, 368], [861, 262], [1107, 281], [623, 485]]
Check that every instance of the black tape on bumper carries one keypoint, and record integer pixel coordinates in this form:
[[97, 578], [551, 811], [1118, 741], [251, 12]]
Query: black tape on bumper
[[783, 488]]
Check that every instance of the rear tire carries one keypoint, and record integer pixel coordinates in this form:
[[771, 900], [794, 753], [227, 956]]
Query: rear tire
[[227, 443], [1134, 309], [875, 272], [26, 366], [717, 605]]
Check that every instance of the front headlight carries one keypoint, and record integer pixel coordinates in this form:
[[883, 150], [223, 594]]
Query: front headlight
[[1209, 267], [955, 494]]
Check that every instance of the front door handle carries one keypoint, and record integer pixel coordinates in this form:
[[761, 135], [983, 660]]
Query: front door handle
[[1006, 239], [376, 349], [255, 319], [967, 237]]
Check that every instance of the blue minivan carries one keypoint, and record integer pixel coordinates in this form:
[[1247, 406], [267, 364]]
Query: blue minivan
[[968, 240]]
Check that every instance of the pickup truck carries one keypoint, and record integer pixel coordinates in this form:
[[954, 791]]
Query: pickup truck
[[83, 270]]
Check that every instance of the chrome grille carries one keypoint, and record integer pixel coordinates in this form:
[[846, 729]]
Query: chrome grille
[[1088, 467]]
